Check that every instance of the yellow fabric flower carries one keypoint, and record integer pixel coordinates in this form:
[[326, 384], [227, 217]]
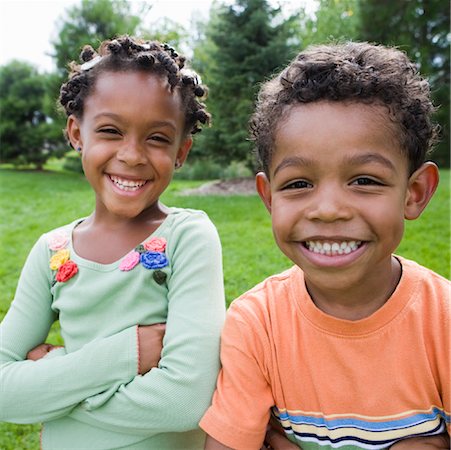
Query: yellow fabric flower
[[59, 258]]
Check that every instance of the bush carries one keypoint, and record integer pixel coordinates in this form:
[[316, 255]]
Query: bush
[[207, 169], [72, 162]]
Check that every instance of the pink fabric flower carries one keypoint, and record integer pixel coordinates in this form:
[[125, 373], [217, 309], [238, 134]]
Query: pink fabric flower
[[129, 261], [66, 271], [57, 241], [155, 244]]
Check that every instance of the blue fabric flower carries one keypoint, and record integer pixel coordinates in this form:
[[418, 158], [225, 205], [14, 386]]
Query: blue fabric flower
[[153, 260]]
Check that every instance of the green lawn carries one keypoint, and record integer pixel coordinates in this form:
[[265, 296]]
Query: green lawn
[[33, 203]]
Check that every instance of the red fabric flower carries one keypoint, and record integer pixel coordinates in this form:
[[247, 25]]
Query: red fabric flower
[[155, 244], [66, 271]]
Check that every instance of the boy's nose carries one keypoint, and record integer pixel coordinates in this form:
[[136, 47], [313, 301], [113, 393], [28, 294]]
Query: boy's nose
[[329, 204], [131, 153]]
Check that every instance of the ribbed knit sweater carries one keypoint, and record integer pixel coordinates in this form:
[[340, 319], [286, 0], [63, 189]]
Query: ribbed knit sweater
[[89, 394]]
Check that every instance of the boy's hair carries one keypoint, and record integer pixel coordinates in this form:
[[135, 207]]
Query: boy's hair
[[126, 53], [351, 72]]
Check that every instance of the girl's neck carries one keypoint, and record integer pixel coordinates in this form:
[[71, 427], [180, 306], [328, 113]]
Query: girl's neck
[[359, 303], [105, 239]]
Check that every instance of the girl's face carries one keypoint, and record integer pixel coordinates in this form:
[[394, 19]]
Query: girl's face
[[131, 136]]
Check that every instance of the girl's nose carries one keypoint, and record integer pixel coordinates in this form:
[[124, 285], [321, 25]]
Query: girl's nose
[[131, 153], [329, 204]]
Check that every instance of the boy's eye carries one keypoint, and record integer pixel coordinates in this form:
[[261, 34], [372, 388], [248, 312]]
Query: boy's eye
[[299, 184], [365, 181]]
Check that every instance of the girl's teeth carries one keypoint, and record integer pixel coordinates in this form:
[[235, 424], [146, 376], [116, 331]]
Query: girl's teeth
[[127, 185], [334, 248]]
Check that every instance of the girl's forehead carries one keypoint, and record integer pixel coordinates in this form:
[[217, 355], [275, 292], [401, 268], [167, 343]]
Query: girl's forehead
[[135, 96], [130, 79]]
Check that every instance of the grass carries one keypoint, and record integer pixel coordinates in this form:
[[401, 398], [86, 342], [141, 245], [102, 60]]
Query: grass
[[32, 203]]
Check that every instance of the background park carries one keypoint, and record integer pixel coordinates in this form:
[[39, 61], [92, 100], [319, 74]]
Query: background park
[[235, 46]]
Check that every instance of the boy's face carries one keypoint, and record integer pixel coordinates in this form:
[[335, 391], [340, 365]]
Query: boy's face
[[338, 193]]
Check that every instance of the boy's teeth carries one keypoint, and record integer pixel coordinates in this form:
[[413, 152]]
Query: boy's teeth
[[334, 248], [127, 185]]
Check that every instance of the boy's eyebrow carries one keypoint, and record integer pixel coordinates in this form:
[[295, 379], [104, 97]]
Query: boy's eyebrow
[[367, 158], [293, 161], [355, 160]]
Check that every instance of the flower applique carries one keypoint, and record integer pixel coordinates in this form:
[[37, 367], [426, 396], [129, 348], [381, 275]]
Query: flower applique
[[151, 254], [60, 261]]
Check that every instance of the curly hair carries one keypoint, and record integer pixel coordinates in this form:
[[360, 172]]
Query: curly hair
[[126, 53], [352, 72]]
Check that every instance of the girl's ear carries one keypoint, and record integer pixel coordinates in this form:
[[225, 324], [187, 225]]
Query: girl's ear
[[73, 131], [183, 151], [422, 185], [264, 189]]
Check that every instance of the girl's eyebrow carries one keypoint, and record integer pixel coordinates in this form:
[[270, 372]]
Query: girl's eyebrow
[[159, 123]]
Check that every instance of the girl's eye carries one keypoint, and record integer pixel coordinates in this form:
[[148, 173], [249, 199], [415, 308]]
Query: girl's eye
[[365, 181], [108, 131], [159, 138], [299, 184]]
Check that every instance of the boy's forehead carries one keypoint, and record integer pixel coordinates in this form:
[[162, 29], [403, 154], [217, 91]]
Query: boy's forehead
[[336, 127]]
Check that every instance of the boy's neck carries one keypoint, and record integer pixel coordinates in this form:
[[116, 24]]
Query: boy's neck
[[359, 303]]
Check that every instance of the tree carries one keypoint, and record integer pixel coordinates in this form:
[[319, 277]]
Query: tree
[[91, 22], [24, 125], [421, 28], [333, 20], [244, 43]]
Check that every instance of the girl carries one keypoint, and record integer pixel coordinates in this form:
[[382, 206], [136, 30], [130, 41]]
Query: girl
[[112, 277]]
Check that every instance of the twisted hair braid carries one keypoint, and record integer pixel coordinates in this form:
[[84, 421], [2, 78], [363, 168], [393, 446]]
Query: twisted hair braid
[[126, 53]]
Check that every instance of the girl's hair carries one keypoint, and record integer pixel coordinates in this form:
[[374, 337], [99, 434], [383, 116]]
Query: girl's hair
[[126, 53], [353, 72]]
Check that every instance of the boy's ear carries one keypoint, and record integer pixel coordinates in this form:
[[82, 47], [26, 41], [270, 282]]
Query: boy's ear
[[184, 149], [422, 185], [73, 131], [264, 189]]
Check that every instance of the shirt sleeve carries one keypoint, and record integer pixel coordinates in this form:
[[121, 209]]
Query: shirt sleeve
[[174, 396], [35, 391], [240, 410]]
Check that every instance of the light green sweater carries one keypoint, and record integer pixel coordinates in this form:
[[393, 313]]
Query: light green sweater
[[89, 394]]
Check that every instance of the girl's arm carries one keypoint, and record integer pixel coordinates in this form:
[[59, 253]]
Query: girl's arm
[[174, 396], [35, 391]]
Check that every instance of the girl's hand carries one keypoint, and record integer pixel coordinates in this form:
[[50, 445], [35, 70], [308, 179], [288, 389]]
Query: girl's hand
[[150, 338], [40, 351], [275, 438], [439, 442]]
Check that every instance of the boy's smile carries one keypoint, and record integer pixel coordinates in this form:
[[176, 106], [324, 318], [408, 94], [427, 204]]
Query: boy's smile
[[338, 187]]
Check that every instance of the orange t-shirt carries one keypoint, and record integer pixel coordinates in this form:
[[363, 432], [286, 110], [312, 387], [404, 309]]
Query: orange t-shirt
[[334, 383]]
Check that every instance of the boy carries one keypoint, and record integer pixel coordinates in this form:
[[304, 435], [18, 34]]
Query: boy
[[349, 349]]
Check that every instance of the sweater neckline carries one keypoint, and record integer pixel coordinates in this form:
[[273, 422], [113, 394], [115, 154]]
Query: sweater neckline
[[114, 265], [404, 292]]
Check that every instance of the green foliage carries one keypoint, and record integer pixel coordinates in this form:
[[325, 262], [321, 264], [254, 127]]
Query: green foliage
[[208, 169], [333, 20], [244, 43], [72, 162], [23, 127], [250, 254], [91, 22], [421, 28]]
